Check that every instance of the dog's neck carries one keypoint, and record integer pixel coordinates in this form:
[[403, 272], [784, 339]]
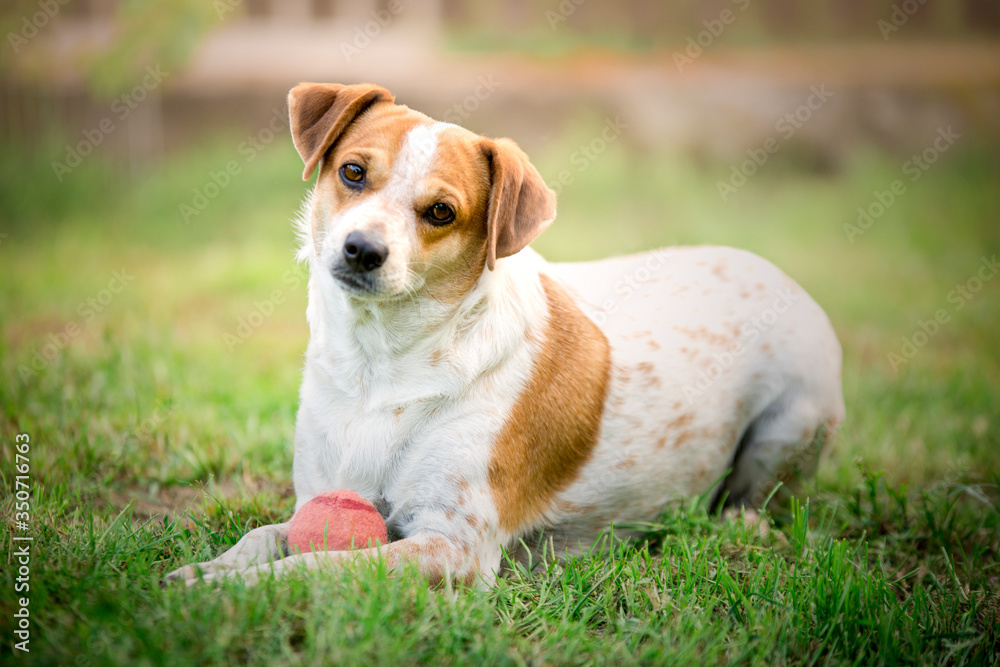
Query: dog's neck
[[367, 342]]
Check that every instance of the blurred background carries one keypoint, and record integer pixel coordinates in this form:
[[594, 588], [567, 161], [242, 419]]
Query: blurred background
[[152, 314]]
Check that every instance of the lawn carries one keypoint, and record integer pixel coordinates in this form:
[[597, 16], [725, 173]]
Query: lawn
[[154, 362]]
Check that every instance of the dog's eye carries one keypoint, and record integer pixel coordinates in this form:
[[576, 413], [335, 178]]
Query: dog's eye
[[352, 174], [440, 214]]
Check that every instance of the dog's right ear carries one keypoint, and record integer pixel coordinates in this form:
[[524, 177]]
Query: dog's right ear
[[320, 112]]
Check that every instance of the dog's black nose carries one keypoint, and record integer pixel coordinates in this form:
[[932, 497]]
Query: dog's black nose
[[364, 253]]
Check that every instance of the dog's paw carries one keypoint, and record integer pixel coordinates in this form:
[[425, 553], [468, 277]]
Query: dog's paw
[[190, 574]]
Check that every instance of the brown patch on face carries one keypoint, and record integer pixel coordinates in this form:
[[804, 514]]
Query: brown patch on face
[[661, 442], [451, 257], [556, 421], [373, 141]]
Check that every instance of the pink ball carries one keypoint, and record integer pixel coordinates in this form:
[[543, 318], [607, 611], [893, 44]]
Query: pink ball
[[341, 516]]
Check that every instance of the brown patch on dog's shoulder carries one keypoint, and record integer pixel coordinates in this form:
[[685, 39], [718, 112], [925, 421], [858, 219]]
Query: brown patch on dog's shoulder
[[554, 426]]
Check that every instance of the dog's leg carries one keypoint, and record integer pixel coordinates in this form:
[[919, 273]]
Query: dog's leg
[[438, 558], [260, 545], [783, 445]]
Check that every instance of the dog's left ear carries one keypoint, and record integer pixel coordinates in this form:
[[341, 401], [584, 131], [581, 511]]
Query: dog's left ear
[[520, 207], [320, 112]]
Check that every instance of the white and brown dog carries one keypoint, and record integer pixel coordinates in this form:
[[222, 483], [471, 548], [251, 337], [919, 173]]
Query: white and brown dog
[[480, 396]]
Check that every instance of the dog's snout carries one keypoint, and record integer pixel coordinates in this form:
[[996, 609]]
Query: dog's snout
[[363, 253]]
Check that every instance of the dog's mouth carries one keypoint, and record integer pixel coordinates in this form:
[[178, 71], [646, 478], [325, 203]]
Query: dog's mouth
[[369, 286], [359, 284]]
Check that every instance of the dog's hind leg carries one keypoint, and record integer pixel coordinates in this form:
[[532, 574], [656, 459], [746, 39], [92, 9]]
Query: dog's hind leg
[[782, 445]]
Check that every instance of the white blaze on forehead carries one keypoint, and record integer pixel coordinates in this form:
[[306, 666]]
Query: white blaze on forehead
[[416, 157]]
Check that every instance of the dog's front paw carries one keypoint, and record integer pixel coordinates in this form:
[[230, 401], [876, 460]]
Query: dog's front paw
[[190, 574]]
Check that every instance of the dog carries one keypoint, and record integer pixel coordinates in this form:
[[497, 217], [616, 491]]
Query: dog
[[484, 399]]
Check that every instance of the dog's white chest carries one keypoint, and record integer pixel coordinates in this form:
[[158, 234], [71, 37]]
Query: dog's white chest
[[352, 441]]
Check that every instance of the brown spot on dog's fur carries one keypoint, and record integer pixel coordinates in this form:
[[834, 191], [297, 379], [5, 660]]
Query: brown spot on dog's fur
[[661, 442], [654, 345], [554, 426], [625, 465], [681, 421], [702, 333], [719, 270], [683, 437], [568, 507]]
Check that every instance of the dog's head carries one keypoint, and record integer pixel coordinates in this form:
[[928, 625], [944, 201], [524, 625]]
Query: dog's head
[[403, 202]]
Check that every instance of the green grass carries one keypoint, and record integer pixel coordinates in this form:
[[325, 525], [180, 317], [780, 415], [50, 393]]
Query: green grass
[[893, 558]]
